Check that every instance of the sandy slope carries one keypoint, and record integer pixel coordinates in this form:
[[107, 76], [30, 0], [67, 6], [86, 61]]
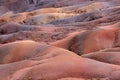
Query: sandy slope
[[59, 40]]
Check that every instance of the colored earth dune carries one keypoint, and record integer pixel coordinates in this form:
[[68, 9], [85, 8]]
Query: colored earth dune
[[59, 39]]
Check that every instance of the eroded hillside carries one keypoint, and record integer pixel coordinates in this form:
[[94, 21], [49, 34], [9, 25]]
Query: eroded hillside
[[59, 39]]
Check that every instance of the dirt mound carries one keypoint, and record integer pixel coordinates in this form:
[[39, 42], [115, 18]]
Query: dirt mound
[[54, 62], [90, 40]]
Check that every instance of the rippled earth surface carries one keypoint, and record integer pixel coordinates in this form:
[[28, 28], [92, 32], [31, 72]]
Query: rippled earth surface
[[59, 39]]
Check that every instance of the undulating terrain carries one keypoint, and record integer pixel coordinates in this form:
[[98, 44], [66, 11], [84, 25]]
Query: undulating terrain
[[59, 39]]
